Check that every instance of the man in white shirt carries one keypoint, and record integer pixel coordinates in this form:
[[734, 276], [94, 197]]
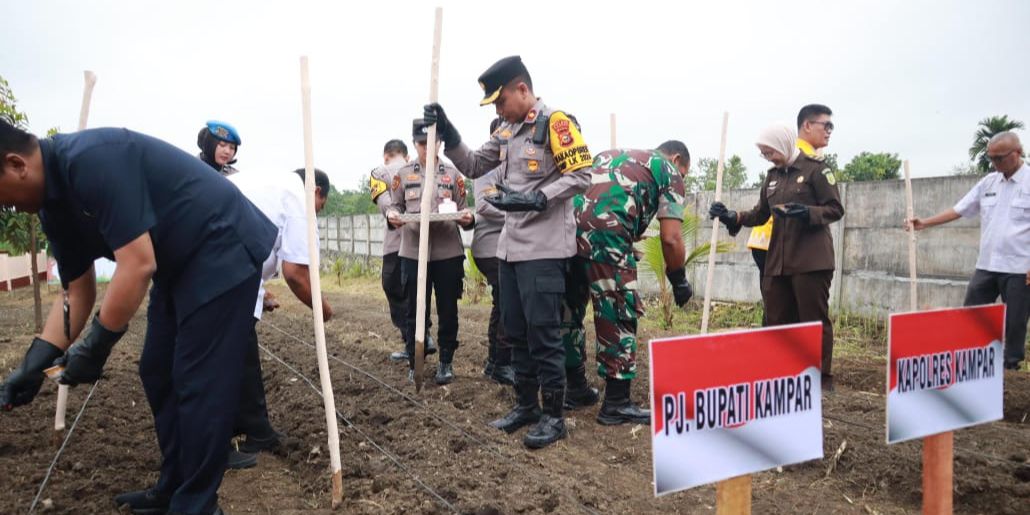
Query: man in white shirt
[[1002, 199], [280, 197]]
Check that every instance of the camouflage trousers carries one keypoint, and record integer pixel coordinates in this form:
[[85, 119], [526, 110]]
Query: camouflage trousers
[[612, 291]]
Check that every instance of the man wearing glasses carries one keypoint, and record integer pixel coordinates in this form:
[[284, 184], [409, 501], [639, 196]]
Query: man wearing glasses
[[814, 130], [1002, 199]]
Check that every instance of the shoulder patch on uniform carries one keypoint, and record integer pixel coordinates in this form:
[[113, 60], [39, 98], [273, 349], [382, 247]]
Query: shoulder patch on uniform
[[376, 186], [830, 178], [567, 144], [396, 182]]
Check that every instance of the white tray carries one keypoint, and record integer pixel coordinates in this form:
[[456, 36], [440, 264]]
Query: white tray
[[433, 217]]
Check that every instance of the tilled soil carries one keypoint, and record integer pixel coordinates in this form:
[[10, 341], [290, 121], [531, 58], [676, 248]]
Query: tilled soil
[[432, 452]]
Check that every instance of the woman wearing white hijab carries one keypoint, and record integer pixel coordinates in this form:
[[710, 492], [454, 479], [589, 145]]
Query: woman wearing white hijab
[[801, 192]]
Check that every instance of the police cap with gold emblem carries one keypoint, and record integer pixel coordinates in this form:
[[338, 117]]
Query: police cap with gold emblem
[[419, 130], [498, 75]]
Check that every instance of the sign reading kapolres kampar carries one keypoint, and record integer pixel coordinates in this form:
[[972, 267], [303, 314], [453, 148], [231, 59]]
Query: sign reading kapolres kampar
[[728, 404], [944, 370]]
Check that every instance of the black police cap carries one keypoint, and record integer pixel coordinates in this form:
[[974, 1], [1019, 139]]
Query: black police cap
[[496, 76], [419, 130]]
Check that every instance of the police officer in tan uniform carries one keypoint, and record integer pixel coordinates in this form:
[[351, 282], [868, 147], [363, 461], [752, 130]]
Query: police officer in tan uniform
[[395, 155], [542, 163], [446, 251], [489, 222], [801, 192]]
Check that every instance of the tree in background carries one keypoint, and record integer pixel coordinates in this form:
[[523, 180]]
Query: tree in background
[[869, 166], [987, 128], [20, 233], [734, 175]]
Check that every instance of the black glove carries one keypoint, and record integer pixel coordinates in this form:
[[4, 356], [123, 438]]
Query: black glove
[[433, 113], [794, 210], [84, 362], [511, 200], [681, 290], [23, 384], [726, 216]]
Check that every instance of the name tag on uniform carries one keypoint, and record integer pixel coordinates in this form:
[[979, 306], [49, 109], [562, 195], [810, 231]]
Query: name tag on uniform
[[413, 194], [990, 194]]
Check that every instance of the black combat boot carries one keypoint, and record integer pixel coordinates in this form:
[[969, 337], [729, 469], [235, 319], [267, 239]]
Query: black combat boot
[[144, 502], [526, 412], [400, 356], [827, 382], [444, 373], [488, 367], [430, 345], [578, 392], [503, 374], [617, 408], [551, 427]]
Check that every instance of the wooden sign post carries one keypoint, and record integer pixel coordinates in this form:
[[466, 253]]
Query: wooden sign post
[[328, 400], [938, 449], [426, 206], [87, 96]]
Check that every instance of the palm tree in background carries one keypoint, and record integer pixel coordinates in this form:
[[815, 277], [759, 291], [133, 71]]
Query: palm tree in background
[[987, 129], [653, 260]]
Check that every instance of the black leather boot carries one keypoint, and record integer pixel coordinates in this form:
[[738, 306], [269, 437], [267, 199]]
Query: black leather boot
[[503, 374], [430, 344], [488, 368], [578, 392], [526, 412], [444, 373], [551, 427], [617, 408], [144, 502]]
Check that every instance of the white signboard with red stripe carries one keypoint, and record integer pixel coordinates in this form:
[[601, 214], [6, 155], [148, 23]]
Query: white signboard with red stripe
[[944, 370], [728, 404]]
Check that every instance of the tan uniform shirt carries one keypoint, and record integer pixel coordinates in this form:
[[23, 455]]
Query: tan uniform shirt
[[797, 245], [489, 219], [379, 186], [406, 197], [559, 167]]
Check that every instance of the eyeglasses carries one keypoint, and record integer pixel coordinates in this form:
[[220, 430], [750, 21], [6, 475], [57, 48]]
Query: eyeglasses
[[826, 125], [999, 157]]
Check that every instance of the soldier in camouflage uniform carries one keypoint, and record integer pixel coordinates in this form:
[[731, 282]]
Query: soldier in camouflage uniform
[[628, 189]]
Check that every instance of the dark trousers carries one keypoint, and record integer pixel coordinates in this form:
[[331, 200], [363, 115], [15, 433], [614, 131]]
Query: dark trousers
[[394, 290], [252, 418], [531, 298], [985, 287], [499, 351], [790, 299], [759, 256], [444, 277], [191, 372]]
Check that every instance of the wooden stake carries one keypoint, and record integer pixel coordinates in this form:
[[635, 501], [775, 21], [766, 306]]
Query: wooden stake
[[715, 228], [316, 292], [733, 496], [611, 122], [428, 190], [87, 95], [909, 214], [938, 450]]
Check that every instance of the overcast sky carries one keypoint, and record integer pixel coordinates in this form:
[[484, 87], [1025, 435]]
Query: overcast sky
[[909, 77]]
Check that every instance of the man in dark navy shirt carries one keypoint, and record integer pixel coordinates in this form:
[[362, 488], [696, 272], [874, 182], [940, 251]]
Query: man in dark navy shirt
[[163, 216]]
